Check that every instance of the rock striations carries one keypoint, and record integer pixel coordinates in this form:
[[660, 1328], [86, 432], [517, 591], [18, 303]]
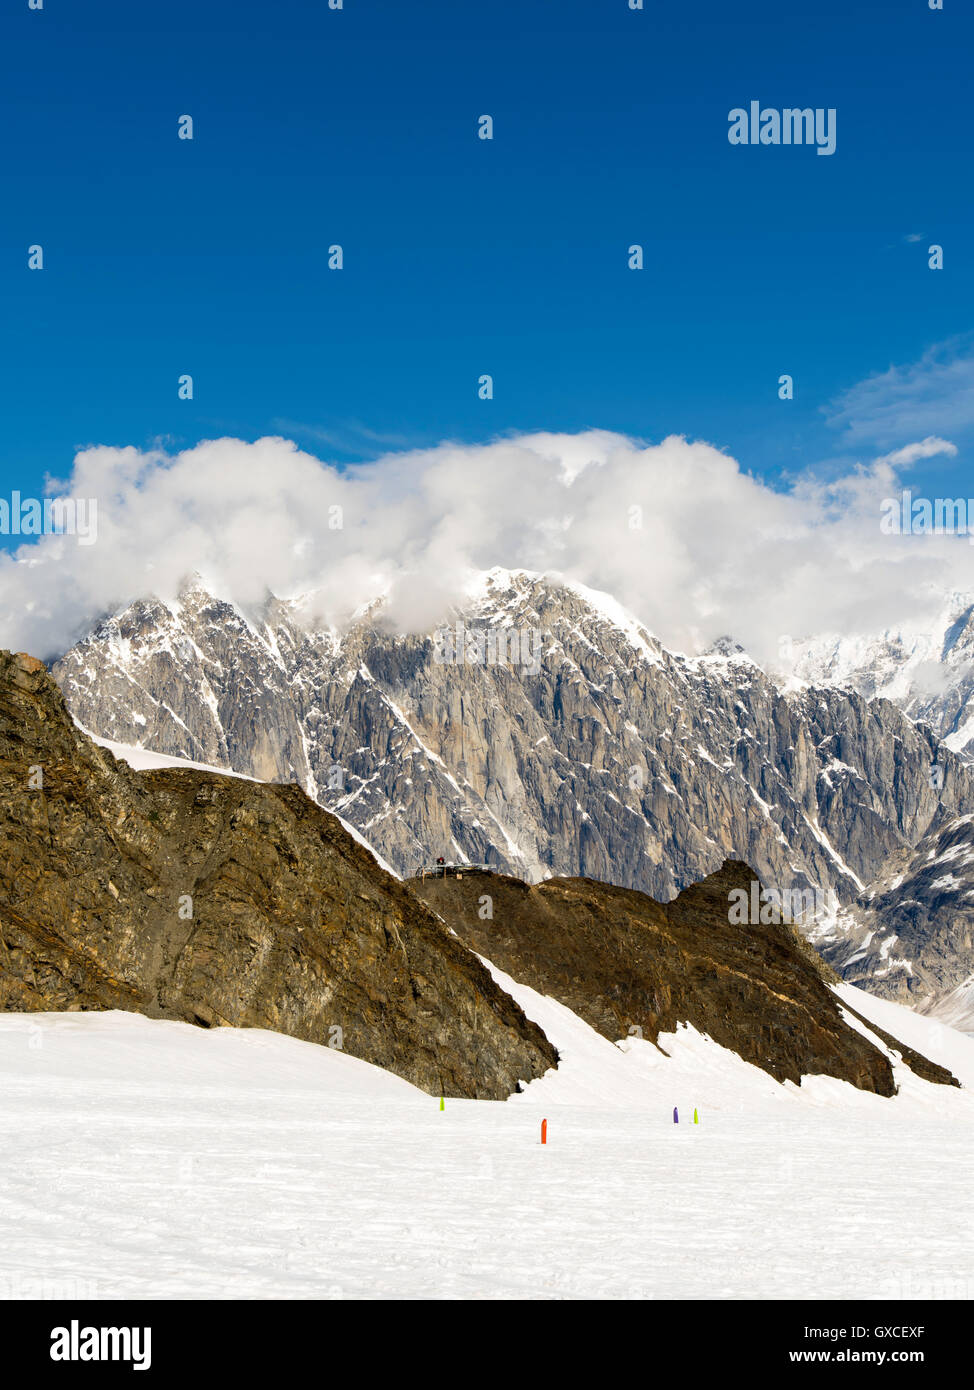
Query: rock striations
[[187, 895], [632, 966]]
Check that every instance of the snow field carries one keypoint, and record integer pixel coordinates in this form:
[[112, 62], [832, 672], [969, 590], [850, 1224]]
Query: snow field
[[156, 1160]]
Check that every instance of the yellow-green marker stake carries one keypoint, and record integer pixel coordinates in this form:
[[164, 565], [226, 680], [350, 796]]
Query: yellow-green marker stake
[[442, 1103], [696, 1121]]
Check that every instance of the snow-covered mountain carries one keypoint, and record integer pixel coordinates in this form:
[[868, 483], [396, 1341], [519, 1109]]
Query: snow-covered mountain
[[910, 936], [583, 747], [928, 672]]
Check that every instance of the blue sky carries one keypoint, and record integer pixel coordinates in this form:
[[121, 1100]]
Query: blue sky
[[465, 257]]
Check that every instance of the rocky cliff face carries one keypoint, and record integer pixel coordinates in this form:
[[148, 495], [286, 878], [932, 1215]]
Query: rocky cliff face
[[910, 936], [629, 965], [591, 751], [183, 894]]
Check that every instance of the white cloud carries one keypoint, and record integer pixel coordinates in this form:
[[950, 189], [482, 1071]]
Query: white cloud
[[923, 449], [718, 552]]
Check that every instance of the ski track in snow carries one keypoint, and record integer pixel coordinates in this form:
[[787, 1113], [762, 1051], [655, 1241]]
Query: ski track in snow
[[147, 1159]]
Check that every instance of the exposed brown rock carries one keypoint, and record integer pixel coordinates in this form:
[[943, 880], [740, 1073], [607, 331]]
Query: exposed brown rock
[[30, 663], [929, 1071], [621, 961], [293, 925]]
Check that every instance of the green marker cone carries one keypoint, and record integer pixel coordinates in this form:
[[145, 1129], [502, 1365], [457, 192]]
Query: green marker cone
[[442, 1103], [696, 1121]]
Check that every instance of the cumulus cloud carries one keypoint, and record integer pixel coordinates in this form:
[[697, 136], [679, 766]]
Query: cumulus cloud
[[677, 531]]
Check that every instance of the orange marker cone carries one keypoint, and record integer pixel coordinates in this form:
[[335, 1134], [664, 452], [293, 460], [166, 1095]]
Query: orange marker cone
[[544, 1131]]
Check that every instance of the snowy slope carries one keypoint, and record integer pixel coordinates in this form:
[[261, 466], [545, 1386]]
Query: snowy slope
[[156, 1057], [957, 1008], [690, 1069], [930, 1034], [634, 1074], [155, 1160]]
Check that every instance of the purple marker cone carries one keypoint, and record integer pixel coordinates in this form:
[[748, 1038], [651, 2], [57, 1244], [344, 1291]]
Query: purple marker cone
[[676, 1116]]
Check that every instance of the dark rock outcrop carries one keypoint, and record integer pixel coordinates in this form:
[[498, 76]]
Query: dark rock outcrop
[[622, 962], [182, 894]]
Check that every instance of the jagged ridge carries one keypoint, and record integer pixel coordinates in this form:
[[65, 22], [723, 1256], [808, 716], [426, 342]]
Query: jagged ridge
[[625, 963]]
